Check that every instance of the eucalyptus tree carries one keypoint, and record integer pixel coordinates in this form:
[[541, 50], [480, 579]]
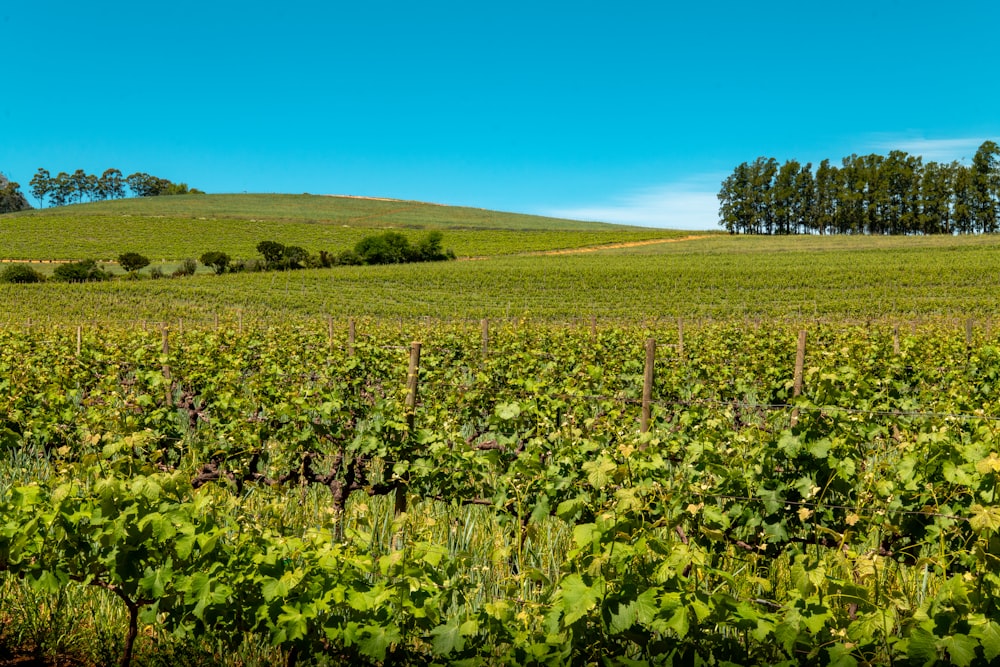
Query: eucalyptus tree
[[41, 185], [986, 186]]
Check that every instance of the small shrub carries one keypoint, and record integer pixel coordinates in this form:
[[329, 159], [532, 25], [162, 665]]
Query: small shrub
[[187, 268], [348, 258], [295, 257], [132, 261], [156, 273], [272, 251], [80, 272], [247, 265], [20, 273], [218, 261]]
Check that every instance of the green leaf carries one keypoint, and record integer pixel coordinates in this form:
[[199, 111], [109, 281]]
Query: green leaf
[[508, 411], [961, 649], [568, 510], [989, 636], [820, 448], [447, 637], [25, 496], [47, 582], [578, 598], [155, 582], [377, 641], [599, 471], [623, 618], [922, 647], [984, 518]]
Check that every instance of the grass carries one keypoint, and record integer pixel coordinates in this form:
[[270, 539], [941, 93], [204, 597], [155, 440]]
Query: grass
[[172, 228], [352, 211]]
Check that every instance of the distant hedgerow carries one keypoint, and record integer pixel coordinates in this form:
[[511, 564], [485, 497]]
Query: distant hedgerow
[[20, 273]]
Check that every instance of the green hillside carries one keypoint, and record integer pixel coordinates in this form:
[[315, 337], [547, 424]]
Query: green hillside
[[170, 228]]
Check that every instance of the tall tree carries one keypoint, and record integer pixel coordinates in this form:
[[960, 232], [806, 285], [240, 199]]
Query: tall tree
[[986, 186], [963, 212], [11, 198], [41, 185], [805, 199], [827, 192], [112, 184], [936, 188], [62, 189], [783, 198], [81, 184]]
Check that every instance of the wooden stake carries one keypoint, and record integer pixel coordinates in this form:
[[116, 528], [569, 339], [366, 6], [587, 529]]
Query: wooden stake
[[895, 340], [411, 385], [485, 324], [411, 410], [680, 337], [166, 369], [647, 385], [800, 360], [350, 336], [79, 339]]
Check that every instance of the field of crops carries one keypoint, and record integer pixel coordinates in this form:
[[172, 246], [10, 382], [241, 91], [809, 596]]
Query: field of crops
[[513, 493], [720, 277]]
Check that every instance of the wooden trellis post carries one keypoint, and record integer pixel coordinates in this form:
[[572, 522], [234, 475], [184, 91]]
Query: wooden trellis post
[[800, 360], [647, 385]]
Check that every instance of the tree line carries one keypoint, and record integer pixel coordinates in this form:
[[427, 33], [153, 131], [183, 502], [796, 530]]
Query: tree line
[[386, 248], [65, 188], [869, 194]]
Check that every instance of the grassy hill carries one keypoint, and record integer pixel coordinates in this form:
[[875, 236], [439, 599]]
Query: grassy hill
[[714, 275], [170, 228]]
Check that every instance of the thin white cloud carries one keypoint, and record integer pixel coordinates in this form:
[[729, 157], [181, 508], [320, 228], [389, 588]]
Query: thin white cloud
[[938, 150], [689, 204]]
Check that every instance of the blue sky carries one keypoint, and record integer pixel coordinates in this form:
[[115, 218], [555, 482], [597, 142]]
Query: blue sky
[[626, 112]]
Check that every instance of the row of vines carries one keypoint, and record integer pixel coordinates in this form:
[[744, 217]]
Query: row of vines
[[289, 488]]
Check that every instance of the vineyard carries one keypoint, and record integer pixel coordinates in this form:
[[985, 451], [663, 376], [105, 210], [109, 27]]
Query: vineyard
[[502, 492]]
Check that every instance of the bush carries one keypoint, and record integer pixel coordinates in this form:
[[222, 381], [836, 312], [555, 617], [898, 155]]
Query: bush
[[295, 257], [385, 248], [247, 265], [20, 273], [272, 251], [218, 261], [187, 268], [80, 272], [132, 261], [348, 258], [156, 272], [430, 250]]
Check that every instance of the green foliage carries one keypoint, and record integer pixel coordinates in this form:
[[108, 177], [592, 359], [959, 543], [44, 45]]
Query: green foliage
[[272, 251], [132, 261], [246, 495], [83, 271], [218, 261], [384, 248], [868, 194], [11, 198], [187, 267], [20, 273], [394, 248]]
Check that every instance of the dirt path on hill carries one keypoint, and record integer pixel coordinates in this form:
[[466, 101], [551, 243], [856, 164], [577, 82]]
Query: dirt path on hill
[[591, 248]]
